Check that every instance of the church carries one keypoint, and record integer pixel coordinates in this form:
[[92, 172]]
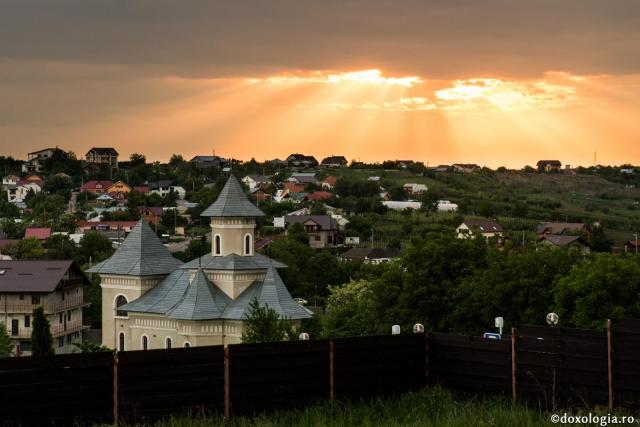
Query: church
[[152, 300]]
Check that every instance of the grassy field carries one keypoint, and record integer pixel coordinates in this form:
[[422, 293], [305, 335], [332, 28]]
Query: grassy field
[[433, 407]]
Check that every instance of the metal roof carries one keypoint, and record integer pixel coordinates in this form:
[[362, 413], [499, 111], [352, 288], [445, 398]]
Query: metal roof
[[271, 293], [202, 301], [176, 298], [141, 254], [233, 262], [31, 275], [232, 202]]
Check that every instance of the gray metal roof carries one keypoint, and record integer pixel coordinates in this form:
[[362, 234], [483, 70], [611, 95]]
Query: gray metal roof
[[176, 298], [232, 202], [141, 254], [233, 262], [33, 275], [202, 301], [272, 293]]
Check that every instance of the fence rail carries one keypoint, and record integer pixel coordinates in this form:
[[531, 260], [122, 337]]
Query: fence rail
[[548, 367]]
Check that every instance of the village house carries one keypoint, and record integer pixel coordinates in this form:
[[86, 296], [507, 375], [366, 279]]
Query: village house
[[96, 187], [119, 190], [259, 195], [370, 255], [17, 193], [334, 162], [103, 156], [303, 178], [36, 160], [152, 215], [207, 162], [329, 183], [549, 166], [630, 246], [551, 240], [404, 164], [557, 228], [254, 181], [123, 228], [413, 189], [486, 228], [318, 196], [465, 167], [56, 286], [322, 229], [301, 160], [40, 233], [443, 168], [165, 187], [152, 300], [10, 180]]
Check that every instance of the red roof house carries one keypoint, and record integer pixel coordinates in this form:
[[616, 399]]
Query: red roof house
[[319, 195], [96, 186], [38, 233]]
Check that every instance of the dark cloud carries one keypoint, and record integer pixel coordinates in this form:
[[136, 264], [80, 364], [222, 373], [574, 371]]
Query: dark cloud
[[441, 38]]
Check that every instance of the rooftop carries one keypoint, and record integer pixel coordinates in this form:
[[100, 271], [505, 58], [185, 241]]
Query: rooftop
[[232, 202]]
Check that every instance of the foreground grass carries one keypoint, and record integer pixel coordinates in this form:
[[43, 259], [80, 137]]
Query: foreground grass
[[433, 407]]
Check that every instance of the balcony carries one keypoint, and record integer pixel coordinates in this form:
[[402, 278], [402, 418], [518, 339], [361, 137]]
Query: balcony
[[56, 330], [26, 306]]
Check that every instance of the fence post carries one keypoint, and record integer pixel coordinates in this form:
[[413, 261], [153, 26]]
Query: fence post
[[116, 380], [331, 381], [610, 364], [514, 337], [227, 388]]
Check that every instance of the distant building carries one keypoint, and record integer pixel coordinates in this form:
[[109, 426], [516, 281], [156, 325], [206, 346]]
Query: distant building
[[301, 160], [397, 205], [18, 192], [486, 228], [206, 162], [413, 189], [303, 178], [465, 167], [96, 187], [329, 183], [42, 233], [253, 181], [564, 242], [322, 229], [103, 156], [548, 228], [335, 162], [443, 168], [56, 286], [549, 165], [119, 190], [371, 255], [318, 196], [165, 187], [36, 160], [10, 180]]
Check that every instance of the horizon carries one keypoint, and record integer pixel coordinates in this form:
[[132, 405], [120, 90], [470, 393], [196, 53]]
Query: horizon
[[498, 84]]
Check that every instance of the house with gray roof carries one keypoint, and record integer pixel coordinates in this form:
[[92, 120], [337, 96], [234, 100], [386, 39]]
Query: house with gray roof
[[152, 300]]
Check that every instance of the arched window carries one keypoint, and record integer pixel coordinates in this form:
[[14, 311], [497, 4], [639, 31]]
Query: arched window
[[247, 244], [120, 301], [121, 341], [145, 342], [187, 344], [217, 247], [168, 343]]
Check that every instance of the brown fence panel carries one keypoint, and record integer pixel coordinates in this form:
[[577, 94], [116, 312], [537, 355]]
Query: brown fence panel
[[367, 366], [157, 383], [626, 362], [562, 367], [282, 375], [73, 389], [470, 364]]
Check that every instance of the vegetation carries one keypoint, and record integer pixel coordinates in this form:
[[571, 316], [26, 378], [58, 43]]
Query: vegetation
[[263, 324], [431, 407], [41, 339], [6, 348]]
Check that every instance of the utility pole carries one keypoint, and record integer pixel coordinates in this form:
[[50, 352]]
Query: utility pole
[[636, 234]]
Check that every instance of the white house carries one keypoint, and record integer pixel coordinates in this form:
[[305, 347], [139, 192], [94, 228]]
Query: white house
[[17, 193], [253, 181], [400, 205], [414, 189], [486, 228], [163, 188], [10, 180]]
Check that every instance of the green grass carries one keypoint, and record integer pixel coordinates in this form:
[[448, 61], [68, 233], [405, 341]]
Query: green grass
[[433, 407]]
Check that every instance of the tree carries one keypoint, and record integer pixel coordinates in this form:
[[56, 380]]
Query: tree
[[263, 324], [59, 246], [197, 248], [430, 201], [95, 246], [6, 348], [297, 232], [41, 339], [605, 287], [136, 159], [27, 249], [90, 347], [351, 310]]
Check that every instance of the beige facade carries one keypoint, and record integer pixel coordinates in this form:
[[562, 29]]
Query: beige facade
[[232, 236]]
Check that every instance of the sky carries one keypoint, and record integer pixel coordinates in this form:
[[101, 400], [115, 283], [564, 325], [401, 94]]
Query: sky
[[493, 82]]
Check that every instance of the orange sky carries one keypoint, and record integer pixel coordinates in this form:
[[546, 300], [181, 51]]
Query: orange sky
[[494, 86]]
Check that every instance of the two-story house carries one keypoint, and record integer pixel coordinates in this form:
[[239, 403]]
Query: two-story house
[[55, 285], [103, 156], [322, 229], [486, 228]]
